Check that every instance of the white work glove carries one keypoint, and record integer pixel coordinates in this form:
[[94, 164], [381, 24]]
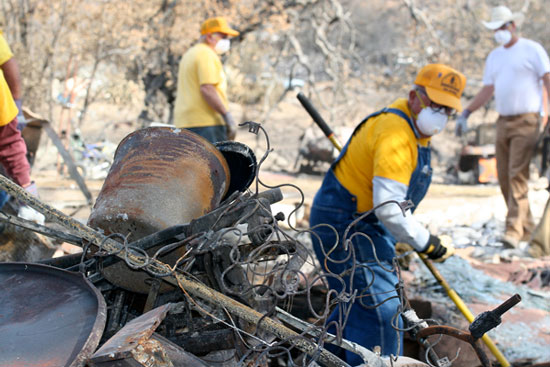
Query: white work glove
[[21, 122], [230, 126], [462, 123], [28, 213]]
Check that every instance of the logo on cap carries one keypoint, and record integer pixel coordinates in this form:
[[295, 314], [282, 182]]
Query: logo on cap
[[451, 83]]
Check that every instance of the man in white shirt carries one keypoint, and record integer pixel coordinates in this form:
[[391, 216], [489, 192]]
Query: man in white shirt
[[516, 73]]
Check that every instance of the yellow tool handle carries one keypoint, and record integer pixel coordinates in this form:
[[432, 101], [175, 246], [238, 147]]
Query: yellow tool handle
[[318, 119], [463, 308], [335, 142]]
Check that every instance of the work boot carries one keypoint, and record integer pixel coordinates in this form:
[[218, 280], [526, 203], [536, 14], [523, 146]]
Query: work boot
[[28, 213]]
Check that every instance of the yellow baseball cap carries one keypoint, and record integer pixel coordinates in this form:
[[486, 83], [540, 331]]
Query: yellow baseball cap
[[217, 25], [444, 85]]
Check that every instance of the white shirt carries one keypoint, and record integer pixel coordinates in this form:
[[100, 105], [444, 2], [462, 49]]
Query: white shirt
[[404, 228], [516, 74]]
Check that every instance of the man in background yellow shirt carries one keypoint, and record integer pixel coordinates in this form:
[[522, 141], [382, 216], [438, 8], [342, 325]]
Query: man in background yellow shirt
[[10, 68], [13, 149], [201, 99]]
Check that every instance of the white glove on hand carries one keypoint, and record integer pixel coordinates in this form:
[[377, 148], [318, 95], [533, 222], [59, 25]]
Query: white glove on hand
[[462, 123], [28, 213], [230, 126], [21, 122]]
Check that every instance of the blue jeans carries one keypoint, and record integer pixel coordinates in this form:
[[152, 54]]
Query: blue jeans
[[370, 321], [213, 134], [4, 197]]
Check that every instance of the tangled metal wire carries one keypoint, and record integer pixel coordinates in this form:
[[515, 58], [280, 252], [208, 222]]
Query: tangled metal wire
[[277, 266]]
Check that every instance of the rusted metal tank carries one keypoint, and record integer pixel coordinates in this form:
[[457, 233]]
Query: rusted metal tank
[[160, 177]]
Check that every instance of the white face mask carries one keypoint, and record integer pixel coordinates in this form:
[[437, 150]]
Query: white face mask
[[503, 36], [222, 46], [430, 122]]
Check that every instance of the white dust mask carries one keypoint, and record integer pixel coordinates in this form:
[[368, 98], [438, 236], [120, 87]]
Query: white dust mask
[[503, 36], [430, 122], [222, 46]]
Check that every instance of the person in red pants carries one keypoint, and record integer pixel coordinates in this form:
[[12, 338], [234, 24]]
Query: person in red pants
[[13, 150]]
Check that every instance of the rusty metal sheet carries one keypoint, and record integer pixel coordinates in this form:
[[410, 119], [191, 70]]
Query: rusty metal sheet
[[48, 317], [139, 329], [160, 177], [133, 341], [136, 344]]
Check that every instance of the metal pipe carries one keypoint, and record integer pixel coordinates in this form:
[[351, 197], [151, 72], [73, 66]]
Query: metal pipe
[[458, 334], [463, 308], [31, 226]]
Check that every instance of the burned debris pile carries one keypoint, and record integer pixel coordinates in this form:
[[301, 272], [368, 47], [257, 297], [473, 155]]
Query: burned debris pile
[[183, 263]]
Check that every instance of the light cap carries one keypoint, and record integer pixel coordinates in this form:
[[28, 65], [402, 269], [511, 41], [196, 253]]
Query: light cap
[[444, 85], [217, 25]]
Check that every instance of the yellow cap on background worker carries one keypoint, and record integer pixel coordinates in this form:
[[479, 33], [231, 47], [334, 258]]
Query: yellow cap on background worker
[[217, 25]]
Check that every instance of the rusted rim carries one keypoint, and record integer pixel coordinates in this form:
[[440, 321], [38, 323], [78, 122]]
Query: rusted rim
[[242, 164], [77, 280]]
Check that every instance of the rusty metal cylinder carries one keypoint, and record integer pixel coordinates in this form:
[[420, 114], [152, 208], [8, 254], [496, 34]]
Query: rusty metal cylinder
[[160, 177]]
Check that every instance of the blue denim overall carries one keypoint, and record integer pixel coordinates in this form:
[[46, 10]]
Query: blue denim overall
[[4, 197], [335, 205]]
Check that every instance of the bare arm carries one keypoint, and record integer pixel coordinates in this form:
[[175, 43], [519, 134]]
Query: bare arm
[[211, 97], [13, 78], [482, 97]]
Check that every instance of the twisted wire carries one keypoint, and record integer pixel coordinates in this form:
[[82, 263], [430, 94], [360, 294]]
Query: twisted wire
[[273, 271]]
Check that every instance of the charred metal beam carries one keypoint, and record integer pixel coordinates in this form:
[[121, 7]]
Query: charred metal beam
[[206, 341], [62, 262], [153, 294], [46, 231], [215, 221], [115, 312]]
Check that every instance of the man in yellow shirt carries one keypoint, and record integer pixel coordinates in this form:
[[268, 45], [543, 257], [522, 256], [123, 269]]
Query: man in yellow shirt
[[387, 159], [9, 66], [201, 100], [13, 149]]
